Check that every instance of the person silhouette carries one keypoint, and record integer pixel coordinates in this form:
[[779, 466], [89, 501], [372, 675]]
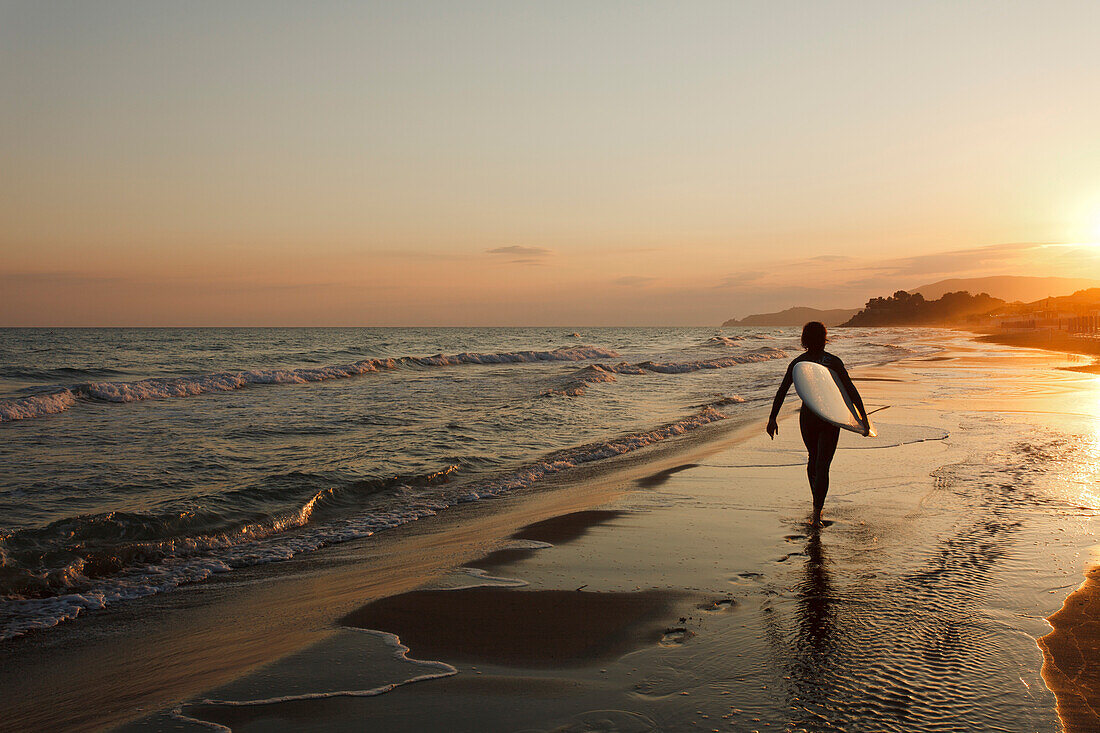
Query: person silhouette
[[819, 436]]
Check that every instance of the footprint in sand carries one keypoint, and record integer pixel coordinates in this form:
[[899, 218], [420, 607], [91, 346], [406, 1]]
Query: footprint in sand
[[676, 636], [718, 606], [743, 578]]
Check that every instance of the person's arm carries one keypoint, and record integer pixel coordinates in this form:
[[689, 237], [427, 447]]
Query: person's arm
[[780, 395], [853, 393]]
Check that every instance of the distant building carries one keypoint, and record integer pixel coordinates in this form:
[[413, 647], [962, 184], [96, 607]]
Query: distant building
[[1053, 321]]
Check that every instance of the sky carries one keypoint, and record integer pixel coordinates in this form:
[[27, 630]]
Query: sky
[[521, 163]]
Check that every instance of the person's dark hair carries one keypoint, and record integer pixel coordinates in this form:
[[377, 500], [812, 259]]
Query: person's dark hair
[[813, 336]]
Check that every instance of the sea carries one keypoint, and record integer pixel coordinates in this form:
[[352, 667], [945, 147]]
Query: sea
[[138, 460]]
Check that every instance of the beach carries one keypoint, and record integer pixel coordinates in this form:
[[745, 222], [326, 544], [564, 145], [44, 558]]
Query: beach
[[413, 366], [682, 590]]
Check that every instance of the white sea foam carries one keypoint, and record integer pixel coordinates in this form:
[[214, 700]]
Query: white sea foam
[[576, 384], [750, 357], [468, 578], [720, 340], [22, 408], [565, 460], [442, 669], [893, 347], [21, 616], [161, 388], [722, 401]]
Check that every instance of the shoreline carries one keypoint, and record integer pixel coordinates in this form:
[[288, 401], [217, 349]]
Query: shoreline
[[1070, 652]]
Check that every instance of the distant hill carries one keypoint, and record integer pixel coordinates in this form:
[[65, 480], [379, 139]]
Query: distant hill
[[1078, 302], [911, 309], [795, 317], [1010, 288]]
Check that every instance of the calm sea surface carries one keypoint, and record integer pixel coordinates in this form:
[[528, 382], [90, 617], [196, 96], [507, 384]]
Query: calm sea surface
[[136, 460]]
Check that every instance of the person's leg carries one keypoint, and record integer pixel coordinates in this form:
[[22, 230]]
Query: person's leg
[[827, 438], [809, 427]]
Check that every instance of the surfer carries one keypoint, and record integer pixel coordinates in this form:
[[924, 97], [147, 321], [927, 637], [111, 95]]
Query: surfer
[[819, 436]]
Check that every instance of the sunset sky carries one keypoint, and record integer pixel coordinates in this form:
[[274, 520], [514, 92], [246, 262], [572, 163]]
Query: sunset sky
[[508, 163]]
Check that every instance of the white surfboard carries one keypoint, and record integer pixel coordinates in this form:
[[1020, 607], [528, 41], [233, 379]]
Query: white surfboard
[[821, 391]]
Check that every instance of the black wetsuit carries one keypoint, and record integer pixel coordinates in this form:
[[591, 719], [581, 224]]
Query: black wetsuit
[[819, 436]]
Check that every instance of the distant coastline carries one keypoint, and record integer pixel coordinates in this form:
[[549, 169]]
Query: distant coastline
[[978, 302]]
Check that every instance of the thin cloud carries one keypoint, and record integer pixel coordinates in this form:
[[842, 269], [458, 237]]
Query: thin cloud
[[831, 258], [956, 263], [60, 278], [192, 284], [739, 279], [520, 250], [875, 282]]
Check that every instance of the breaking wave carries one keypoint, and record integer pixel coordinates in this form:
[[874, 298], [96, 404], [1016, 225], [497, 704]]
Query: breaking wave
[[575, 385], [36, 405], [22, 408], [756, 355], [723, 341], [892, 347], [719, 340]]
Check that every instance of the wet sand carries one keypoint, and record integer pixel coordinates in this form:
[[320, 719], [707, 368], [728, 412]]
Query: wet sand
[[1063, 343], [1071, 657], [1052, 341], [706, 602], [556, 530], [572, 526], [518, 627], [1084, 369]]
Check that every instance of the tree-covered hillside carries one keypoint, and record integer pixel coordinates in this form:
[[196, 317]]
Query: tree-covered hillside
[[910, 309]]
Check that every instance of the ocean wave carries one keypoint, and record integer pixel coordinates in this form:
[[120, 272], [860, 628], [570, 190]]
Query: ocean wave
[[74, 551], [167, 387], [42, 599], [726, 400], [723, 341], [575, 385], [59, 373], [756, 355], [22, 408], [573, 457], [97, 548], [893, 347]]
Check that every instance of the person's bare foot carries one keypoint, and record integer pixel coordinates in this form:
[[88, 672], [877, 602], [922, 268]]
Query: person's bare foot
[[815, 519]]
